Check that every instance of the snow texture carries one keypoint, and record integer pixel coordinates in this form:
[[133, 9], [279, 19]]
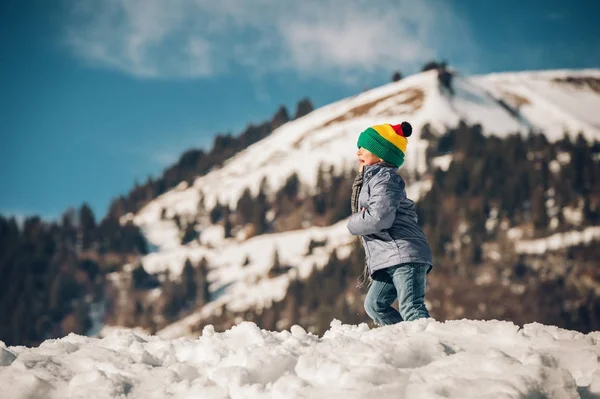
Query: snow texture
[[558, 241], [442, 162], [419, 359]]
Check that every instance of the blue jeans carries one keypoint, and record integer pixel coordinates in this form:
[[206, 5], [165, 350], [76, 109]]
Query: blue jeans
[[405, 282]]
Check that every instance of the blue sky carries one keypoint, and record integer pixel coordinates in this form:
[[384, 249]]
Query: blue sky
[[96, 94]]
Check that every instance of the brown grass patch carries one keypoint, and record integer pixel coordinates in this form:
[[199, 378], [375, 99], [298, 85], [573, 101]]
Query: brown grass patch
[[515, 99], [413, 97], [581, 81]]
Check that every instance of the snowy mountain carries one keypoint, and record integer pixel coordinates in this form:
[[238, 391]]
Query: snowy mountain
[[552, 102], [419, 359]]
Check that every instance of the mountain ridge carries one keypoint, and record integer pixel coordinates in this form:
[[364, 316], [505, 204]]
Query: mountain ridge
[[314, 139]]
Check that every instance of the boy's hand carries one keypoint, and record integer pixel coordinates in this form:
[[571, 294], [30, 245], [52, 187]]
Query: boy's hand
[[363, 209]]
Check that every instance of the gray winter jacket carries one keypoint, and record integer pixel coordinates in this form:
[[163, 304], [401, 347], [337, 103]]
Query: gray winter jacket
[[388, 226]]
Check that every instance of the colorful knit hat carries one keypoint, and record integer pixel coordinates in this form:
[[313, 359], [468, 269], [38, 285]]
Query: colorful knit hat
[[387, 141]]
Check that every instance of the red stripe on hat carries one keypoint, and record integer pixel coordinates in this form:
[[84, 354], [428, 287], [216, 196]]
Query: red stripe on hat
[[398, 129]]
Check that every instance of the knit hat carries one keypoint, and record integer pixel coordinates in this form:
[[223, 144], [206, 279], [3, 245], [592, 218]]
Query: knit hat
[[387, 141]]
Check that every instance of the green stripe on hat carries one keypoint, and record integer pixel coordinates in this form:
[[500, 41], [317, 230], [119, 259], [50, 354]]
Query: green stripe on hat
[[375, 143]]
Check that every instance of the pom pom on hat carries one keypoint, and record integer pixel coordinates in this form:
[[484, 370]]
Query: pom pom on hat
[[403, 129], [406, 129]]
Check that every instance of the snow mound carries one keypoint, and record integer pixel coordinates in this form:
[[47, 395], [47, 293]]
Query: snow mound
[[420, 359]]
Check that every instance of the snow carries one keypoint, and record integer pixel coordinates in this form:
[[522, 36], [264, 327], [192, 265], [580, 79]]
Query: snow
[[442, 162], [473, 104], [572, 215], [227, 256], [419, 359], [418, 190], [549, 106], [563, 158], [162, 233], [212, 235], [96, 314], [558, 241], [492, 220], [514, 233]]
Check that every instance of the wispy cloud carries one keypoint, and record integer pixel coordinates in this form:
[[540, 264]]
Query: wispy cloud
[[200, 38]]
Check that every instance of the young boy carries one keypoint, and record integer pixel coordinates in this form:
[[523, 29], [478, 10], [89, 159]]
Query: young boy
[[397, 252]]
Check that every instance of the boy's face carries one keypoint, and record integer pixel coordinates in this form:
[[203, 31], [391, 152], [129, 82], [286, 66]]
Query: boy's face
[[365, 157]]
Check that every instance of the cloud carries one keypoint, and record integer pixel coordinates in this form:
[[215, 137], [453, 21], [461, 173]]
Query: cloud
[[202, 38]]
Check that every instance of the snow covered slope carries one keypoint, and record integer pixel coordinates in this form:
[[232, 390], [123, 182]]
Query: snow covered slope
[[551, 101], [546, 101], [245, 286], [418, 359]]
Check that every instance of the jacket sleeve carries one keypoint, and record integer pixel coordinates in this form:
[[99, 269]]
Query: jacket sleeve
[[380, 212]]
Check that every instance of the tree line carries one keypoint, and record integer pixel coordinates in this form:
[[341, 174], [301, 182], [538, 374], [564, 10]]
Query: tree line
[[53, 271]]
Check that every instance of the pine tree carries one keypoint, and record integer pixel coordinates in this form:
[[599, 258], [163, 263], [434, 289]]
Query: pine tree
[[201, 207], [245, 207], [261, 206], [281, 117], [69, 228], [293, 301], [227, 222], [142, 280], [216, 213], [202, 283], [87, 226], [320, 198], [246, 261], [177, 220], [276, 268], [291, 187], [189, 234], [304, 107], [539, 213], [189, 282]]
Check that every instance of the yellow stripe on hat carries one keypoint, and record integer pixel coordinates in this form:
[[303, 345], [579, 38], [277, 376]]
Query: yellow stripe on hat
[[388, 133]]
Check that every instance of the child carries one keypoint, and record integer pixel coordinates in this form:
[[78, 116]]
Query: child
[[397, 252]]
